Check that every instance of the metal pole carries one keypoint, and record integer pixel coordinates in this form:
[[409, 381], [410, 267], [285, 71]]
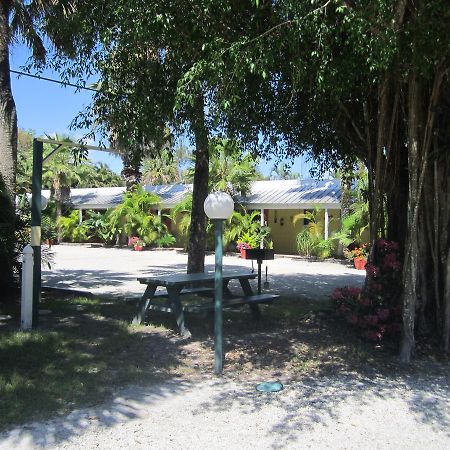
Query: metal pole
[[259, 276], [36, 216], [218, 294], [326, 223]]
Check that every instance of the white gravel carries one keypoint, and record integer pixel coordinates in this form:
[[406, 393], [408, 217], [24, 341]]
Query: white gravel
[[114, 271], [340, 412]]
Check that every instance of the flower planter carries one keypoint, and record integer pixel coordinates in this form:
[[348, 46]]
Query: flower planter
[[243, 252], [360, 263], [138, 248]]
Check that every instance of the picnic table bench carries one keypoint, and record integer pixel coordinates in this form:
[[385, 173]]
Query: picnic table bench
[[200, 284]]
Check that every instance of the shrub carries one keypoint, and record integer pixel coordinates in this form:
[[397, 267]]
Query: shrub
[[306, 243], [72, 229], [376, 309], [165, 240]]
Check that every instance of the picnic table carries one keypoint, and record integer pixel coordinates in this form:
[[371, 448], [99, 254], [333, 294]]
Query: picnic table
[[200, 284]]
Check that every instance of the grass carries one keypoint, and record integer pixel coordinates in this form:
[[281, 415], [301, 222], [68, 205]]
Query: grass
[[78, 357], [85, 349]]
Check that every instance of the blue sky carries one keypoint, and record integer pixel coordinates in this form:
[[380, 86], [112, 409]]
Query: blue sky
[[48, 108]]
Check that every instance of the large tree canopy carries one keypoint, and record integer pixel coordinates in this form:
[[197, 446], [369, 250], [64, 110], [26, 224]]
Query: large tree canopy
[[337, 79], [362, 79]]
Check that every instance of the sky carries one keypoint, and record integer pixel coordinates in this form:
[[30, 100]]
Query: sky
[[47, 108]]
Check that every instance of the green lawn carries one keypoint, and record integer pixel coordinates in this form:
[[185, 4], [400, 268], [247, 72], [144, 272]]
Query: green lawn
[[77, 357]]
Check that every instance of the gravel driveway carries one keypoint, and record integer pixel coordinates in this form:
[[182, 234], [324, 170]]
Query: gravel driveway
[[113, 271], [339, 412]]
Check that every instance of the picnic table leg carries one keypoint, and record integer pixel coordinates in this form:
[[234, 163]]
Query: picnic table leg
[[177, 309], [143, 304], [226, 290], [254, 308]]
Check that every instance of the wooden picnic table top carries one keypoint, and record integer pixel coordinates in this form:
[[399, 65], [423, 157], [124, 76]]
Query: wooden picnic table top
[[177, 279]]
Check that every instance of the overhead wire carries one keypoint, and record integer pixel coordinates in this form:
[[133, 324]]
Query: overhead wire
[[63, 83]]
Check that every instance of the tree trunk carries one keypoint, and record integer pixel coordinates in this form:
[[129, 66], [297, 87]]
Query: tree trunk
[[410, 261], [58, 216], [8, 153], [446, 324], [197, 230], [8, 117]]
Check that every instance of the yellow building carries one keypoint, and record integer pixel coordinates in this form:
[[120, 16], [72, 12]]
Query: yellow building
[[279, 201], [282, 202]]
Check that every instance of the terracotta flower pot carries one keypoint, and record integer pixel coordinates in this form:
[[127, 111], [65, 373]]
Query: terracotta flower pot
[[360, 262], [243, 251], [138, 248]]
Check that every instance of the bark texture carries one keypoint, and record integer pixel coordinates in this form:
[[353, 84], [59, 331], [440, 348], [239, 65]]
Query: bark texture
[[8, 117], [8, 153], [197, 231]]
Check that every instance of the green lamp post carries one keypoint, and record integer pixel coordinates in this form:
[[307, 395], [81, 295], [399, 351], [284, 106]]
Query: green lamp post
[[218, 207]]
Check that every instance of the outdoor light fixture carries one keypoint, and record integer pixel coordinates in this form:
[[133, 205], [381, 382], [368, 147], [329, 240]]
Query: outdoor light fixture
[[218, 207]]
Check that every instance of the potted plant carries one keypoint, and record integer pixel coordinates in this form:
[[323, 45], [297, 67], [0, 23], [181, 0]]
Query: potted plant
[[357, 254], [137, 243], [242, 248]]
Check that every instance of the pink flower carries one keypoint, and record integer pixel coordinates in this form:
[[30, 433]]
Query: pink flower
[[132, 240], [371, 319], [390, 262], [371, 270], [383, 314], [364, 301], [373, 335], [374, 286], [354, 292]]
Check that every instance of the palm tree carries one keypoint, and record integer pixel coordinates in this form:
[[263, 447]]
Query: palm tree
[[230, 170], [24, 19], [282, 171], [59, 175], [161, 170]]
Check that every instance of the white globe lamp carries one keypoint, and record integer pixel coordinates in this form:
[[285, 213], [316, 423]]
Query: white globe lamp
[[219, 205]]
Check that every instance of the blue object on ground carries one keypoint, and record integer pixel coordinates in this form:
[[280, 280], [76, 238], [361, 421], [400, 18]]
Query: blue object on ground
[[269, 386]]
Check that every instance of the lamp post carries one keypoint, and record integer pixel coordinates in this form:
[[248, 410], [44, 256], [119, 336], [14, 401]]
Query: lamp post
[[218, 207]]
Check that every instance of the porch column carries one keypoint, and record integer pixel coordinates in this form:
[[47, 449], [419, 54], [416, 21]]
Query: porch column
[[261, 244], [80, 216], [159, 213], [326, 223]]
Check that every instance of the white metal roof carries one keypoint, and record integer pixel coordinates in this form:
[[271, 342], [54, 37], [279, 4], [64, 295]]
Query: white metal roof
[[96, 198], [271, 194], [294, 194]]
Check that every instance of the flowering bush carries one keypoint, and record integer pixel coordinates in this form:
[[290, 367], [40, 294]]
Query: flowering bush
[[375, 310], [353, 252]]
